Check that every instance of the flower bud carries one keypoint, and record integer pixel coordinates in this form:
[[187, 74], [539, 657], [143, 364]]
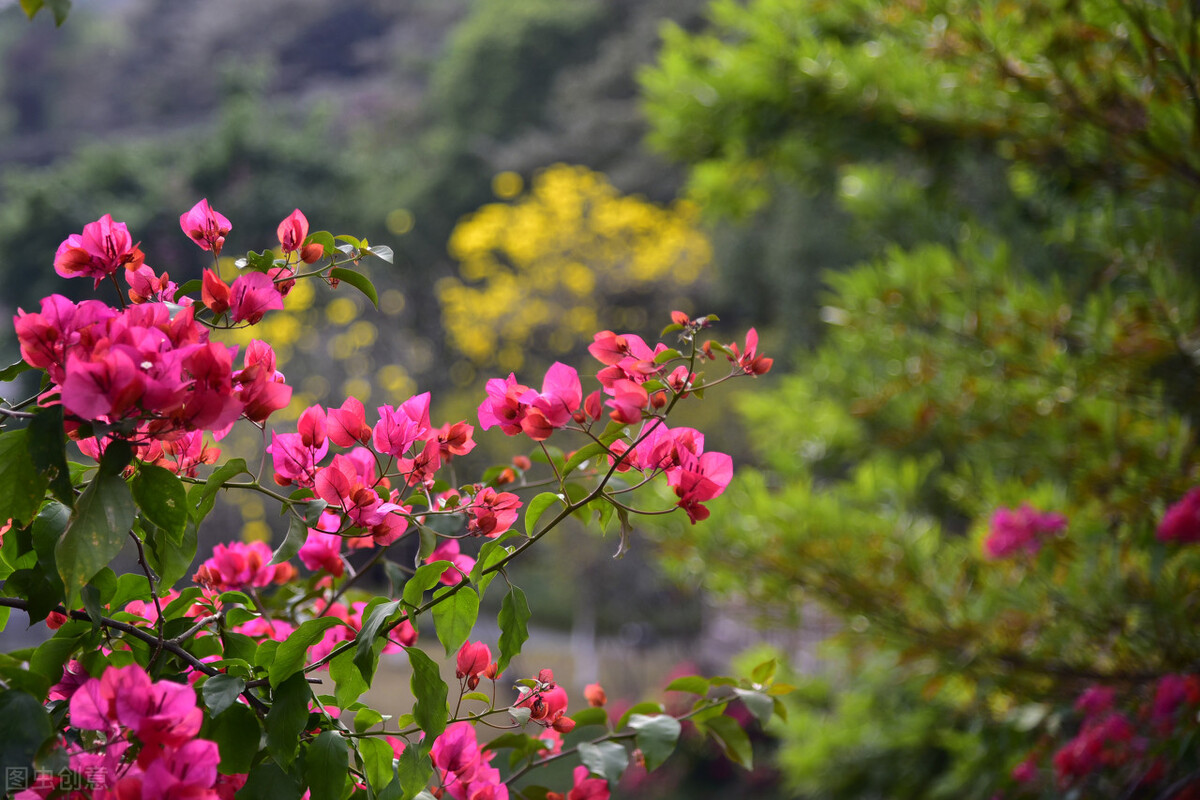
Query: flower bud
[[658, 399], [563, 724], [312, 252], [546, 677], [522, 462], [595, 695]]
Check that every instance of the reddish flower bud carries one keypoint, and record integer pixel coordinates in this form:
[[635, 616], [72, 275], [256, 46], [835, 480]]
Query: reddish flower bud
[[312, 252], [522, 462], [595, 695], [563, 724], [506, 476], [639, 757], [680, 318], [214, 292], [293, 231], [546, 676], [658, 399], [592, 405], [55, 620], [492, 672]]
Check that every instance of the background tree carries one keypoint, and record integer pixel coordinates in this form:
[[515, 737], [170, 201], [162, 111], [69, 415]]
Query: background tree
[[1023, 332]]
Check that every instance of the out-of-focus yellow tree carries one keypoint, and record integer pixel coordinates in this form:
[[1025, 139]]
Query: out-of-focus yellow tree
[[543, 271]]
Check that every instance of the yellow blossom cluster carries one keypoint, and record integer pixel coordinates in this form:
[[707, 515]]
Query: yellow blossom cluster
[[547, 269]]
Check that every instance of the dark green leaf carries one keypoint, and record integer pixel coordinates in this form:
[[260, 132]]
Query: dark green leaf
[[293, 650], [238, 737], [220, 692], [297, 535], [13, 370], [364, 655], [513, 618], [48, 450], [285, 720], [326, 766], [161, 497], [170, 561], [455, 616], [491, 553], [99, 525], [202, 497], [733, 740], [606, 759], [268, 781], [358, 281], [430, 692], [27, 726], [656, 736], [22, 486]]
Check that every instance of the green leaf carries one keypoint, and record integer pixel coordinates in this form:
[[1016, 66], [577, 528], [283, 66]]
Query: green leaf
[[323, 238], [424, 579], [220, 692], [513, 618], [99, 525], [656, 736], [293, 650], [358, 281], [758, 703], [285, 720], [606, 759], [297, 535], [689, 683], [347, 679], [364, 655], [414, 769], [48, 659], [202, 498], [27, 726], [733, 740], [187, 287], [238, 737], [327, 766], [48, 451], [764, 672], [22, 486], [590, 716], [491, 553], [455, 616], [645, 707], [170, 561], [268, 781], [666, 355], [382, 251], [581, 455], [430, 692], [365, 719], [161, 497], [377, 759], [537, 506], [13, 370]]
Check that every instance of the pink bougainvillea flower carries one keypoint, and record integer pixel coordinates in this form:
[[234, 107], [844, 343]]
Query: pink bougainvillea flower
[[1181, 523], [461, 564], [553, 407], [293, 231], [311, 426], [455, 440], [503, 406], [259, 386], [188, 772], [215, 293], [205, 227], [399, 428], [1095, 700], [146, 287], [585, 788], [252, 295], [627, 401], [473, 658], [347, 426], [323, 547], [238, 565], [295, 462], [748, 360], [1022, 530], [103, 248], [700, 479], [492, 512]]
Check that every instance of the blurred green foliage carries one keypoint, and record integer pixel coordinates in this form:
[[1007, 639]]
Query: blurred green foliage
[[1019, 181]]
